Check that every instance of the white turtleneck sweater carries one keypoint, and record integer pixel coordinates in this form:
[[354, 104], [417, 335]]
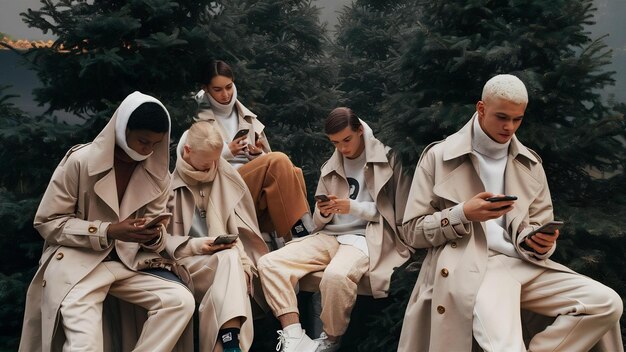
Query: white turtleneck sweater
[[227, 116], [492, 158]]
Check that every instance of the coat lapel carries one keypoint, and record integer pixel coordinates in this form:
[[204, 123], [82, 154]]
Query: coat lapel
[[460, 185], [105, 188], [141, 190]]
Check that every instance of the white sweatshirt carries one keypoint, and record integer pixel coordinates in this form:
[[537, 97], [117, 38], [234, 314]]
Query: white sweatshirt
[[350, 228]]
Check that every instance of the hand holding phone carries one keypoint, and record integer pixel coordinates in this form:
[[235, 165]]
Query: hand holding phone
[[241, 133], [548, 228], [322, 198], [225, 239], [501, 199], [157, 220]]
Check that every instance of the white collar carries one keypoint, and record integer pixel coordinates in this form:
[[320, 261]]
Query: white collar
[[486, 146], [223, 110]]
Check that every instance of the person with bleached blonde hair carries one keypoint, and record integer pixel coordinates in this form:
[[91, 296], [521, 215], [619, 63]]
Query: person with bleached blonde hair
[[485, 260], [208, 199]]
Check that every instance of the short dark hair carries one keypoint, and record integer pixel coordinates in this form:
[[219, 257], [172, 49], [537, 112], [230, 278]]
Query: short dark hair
[[339, 119], [215, 68], [149, 116]]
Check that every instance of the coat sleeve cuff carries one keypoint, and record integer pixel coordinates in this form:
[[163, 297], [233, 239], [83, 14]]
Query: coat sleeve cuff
[[95, 230]]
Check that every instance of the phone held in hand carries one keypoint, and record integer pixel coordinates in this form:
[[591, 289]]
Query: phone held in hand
[[157, 220], [241, 133], [225, 239], [548, 228], [501, 199], [322, 198]]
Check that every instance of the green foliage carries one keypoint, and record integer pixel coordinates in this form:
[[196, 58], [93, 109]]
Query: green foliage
[[286, 79], [369, 38], [455, 47], [31, 147]]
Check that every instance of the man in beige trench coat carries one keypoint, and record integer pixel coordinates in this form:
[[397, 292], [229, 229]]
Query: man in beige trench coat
[[356, 237], [482, 266], [91, 218]]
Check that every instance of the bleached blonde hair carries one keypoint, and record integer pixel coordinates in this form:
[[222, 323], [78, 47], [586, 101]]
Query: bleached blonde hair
[[507, 87], [204, 136]]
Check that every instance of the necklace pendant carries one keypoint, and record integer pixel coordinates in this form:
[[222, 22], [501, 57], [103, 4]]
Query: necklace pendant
[[203, 214]]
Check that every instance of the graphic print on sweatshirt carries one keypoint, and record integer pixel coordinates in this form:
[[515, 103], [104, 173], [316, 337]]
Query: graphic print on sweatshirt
[[353, 186]]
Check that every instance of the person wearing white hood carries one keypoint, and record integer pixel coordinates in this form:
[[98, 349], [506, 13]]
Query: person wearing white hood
[[92, 218], [276, 185], [361, 195]]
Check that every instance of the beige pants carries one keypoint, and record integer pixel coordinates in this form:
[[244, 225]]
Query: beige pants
[[170, 306], [584, 309], [343, 267], [220, 287], [278, 191]]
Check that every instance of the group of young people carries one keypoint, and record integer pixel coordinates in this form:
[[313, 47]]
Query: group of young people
[[110, 281]]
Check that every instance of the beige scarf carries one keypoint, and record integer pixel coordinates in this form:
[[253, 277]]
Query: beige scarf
[[200, 183]]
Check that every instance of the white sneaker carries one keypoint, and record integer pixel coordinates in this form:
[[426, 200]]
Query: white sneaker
[[325, 345], [303, 343]]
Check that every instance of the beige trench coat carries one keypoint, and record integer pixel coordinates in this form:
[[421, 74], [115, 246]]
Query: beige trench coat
[[445, 176], [388, 186], [247, 119], [237, 212], [79, 203]]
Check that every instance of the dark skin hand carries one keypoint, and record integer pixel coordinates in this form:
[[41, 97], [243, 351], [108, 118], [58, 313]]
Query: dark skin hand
[[132, 230]]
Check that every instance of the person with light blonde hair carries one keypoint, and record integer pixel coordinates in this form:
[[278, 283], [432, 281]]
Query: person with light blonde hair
[[488, 255], [208, 199]]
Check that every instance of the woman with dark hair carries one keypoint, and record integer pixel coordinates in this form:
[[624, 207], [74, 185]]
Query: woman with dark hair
[[361, 197], [276, 185], [92, 219]]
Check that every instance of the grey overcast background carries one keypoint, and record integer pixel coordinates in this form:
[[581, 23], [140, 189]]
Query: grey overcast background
[[609, 20]]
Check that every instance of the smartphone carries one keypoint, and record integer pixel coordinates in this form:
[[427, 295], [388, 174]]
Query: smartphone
[[156, 220], [501, 199], [241, 133], [322, 198], [225, 239], [548, 228]]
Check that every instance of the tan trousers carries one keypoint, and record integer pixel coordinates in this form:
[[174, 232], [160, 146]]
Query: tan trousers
[[343, 267], [584, 309], [170, 306], [278, 191], [219, 283]]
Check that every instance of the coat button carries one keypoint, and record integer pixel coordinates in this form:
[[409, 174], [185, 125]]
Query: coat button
[[43, 283], [92, 229], [444, 272], [59, 255], [453, 244], [441, 309], [445, 222]]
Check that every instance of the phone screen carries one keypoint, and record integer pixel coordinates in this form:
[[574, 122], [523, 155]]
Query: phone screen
[[241, 133], [322, 198], [157, 219]]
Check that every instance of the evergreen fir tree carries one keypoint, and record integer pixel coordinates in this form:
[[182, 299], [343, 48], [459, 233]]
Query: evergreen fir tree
[[286, 81], [31, 148], [369, 37]]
